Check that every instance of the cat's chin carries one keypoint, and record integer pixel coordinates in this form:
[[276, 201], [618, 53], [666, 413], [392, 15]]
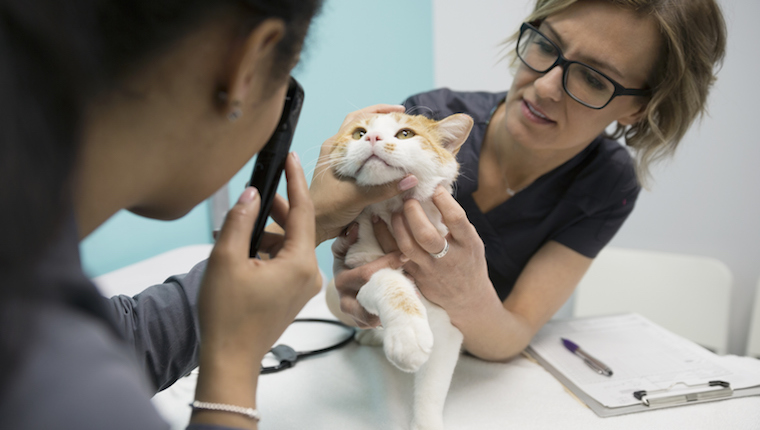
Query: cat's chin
[[375, 179]]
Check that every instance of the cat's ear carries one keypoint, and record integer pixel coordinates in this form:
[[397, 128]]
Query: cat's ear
[[454, 130]]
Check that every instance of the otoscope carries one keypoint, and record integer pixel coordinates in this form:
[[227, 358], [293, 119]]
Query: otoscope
[[271, 160]]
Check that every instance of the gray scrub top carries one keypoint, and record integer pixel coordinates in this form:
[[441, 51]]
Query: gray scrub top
[[94, 363]]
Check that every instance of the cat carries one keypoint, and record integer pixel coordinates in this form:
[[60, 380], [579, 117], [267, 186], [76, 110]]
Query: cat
[[417, 336]]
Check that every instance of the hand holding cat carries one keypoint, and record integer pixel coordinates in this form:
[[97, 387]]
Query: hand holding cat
[[245, 304], [337, 202], [349, 281], [457, 282]]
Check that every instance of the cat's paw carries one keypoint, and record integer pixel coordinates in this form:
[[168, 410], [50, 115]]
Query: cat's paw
[[408, 344], [370, 337]]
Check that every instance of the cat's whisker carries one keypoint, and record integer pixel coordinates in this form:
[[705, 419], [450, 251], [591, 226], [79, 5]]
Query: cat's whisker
[[415, 109], [320, 163], [330, 164], [353, 105], [311, 150], [464, 175]]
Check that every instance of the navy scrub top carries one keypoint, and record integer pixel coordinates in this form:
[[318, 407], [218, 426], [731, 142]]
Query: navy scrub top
[[580, 204]]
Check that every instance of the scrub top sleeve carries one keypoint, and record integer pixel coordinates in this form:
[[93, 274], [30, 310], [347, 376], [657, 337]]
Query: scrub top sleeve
[[161, 325]]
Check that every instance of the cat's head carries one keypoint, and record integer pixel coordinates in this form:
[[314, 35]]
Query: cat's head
[[382, 148]]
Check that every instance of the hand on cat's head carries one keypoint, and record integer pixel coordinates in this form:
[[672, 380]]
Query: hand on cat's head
[[337, 202]]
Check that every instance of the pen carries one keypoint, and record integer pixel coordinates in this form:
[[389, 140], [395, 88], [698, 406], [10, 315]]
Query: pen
[[592, 362]]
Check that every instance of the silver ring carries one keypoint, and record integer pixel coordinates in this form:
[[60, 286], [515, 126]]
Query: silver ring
[[445, 249]]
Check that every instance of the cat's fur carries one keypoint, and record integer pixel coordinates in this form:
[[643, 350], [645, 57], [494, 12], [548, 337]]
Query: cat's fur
[[417, 335]]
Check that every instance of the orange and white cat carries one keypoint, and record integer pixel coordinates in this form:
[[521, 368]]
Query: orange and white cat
[[417, 336]]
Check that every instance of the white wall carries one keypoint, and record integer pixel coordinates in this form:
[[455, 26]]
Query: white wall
[[706, 200]]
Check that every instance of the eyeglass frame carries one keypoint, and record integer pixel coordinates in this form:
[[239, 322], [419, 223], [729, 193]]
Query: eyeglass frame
[[563, 62]]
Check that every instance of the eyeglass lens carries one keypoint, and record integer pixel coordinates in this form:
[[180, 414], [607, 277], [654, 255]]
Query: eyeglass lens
[[581, 82]]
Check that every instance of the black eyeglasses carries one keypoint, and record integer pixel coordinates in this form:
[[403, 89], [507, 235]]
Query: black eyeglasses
[[583, 83]]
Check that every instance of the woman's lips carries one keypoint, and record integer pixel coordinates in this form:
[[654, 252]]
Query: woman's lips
[[534, 114]]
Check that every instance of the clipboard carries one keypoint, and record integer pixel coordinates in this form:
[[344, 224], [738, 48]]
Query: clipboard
[[676, 393]]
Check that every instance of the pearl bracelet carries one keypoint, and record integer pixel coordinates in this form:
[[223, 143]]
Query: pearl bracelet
[[248, 412]]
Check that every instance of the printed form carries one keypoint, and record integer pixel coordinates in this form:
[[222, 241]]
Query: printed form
[[641, 354]]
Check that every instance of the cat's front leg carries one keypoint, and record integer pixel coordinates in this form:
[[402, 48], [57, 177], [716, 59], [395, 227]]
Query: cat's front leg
[[407, 338], [432, 381]]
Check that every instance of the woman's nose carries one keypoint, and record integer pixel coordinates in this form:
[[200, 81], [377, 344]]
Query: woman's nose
[[549, 85]]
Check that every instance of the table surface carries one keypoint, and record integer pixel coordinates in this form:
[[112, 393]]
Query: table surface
[[356, 388]]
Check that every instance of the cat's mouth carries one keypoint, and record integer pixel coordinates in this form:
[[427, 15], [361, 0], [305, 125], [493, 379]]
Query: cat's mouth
[[373, 159]]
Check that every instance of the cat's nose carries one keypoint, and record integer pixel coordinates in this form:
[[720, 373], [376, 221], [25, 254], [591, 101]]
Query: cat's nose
[[373, 137]]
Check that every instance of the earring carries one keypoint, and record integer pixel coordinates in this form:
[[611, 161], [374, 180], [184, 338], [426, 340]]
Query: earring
[[236, 111]]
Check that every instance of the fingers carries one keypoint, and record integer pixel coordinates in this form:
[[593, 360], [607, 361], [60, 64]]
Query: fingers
[[350, 306], [424, 232], [453, 214], [280, 208], [348, 283], [369, 110], [299, 226], [234, 238], [405, 239], [352, 280], [376, 194], [384, 236], [271, 243], [341, 245]]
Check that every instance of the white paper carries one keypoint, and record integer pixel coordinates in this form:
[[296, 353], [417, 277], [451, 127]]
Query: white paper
[[641, 354]]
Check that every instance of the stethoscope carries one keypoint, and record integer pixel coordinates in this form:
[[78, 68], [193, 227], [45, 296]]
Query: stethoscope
[[287, 356]]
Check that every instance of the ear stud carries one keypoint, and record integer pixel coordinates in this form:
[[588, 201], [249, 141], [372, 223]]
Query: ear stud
[[236, 112]]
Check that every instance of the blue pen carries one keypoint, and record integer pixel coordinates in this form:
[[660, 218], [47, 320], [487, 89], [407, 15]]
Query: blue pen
[[592, 362]]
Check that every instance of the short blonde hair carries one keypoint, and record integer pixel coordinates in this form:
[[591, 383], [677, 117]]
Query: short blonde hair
[[693, 34]]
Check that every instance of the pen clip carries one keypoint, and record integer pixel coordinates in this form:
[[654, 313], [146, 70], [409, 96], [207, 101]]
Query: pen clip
[[689, 393]]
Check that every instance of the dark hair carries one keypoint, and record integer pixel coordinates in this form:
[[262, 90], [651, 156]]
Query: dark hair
[[54, 56]]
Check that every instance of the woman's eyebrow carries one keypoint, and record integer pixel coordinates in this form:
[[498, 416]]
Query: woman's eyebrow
[[596, 63]]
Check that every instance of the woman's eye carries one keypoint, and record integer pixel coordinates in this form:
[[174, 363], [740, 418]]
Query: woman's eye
[[545, 47], [594, 81], [358, 133], [404, 134]]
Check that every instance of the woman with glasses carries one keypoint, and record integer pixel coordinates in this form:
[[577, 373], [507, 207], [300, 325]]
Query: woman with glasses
[[542, 187]]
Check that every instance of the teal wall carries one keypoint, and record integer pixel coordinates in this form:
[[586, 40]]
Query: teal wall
[[359, 53]]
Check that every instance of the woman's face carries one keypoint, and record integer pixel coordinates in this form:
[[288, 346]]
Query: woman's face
[[541, 116], [212, 149]]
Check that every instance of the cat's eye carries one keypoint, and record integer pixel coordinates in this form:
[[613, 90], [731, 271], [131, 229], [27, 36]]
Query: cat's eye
[[358, 133], [405, 134]]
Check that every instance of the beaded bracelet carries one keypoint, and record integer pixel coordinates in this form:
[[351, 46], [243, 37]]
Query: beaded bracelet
[[248, 412]]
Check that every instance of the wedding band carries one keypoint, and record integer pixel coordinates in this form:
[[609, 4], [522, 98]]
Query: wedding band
[[445, 249]]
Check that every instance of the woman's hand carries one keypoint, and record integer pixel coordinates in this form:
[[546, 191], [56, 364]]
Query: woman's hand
[[458, 282], [342, 295], [337, 201], [245, 304]]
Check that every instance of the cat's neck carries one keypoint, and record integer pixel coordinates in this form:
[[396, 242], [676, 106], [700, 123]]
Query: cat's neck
[[423, 193]]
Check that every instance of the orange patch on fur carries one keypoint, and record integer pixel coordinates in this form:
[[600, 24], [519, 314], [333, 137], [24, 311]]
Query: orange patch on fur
[[389, 147], [427, 130], [342, 140], [399, 299]]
